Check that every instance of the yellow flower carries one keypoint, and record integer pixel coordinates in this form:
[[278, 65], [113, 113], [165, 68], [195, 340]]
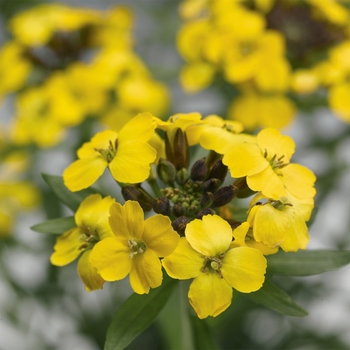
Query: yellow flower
[[37, 25], [267, 168], [14, 68], [135, 248], [281, 222], [205, 255], [91, 219], [127, 155], [254, 110]]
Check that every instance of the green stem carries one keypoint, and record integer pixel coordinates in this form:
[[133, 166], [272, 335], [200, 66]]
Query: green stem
[[187, 339]]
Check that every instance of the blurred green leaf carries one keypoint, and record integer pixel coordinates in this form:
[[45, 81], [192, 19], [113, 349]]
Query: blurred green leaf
[[136, 314], [276, 299], [55, 226], [70, 199], [306, 262]]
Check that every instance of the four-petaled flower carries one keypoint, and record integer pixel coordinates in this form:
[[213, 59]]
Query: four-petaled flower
[[205, 255], [135, 248], [91, 219], [128, 155], [267, 168]]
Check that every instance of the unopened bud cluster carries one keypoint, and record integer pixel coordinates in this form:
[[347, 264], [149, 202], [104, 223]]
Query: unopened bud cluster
[[190, 192]]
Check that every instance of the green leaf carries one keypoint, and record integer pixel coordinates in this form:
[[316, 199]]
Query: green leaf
[[306, 262], [70, 199], [55, 226], [136, 314], [276, 299]]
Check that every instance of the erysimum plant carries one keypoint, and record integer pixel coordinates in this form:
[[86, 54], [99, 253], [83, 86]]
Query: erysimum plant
[[184, 219]]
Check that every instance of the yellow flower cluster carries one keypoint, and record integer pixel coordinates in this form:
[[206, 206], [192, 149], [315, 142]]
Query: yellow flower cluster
[[16, 193], [267, 50], [188, 235], [67, 64]]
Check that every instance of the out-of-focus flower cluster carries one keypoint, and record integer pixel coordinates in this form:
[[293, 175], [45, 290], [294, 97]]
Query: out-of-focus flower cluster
[[271, 52], [16, 193], [67, 64], [194, 229]]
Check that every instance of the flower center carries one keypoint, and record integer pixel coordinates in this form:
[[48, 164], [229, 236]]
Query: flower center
[[88, 238], [213, 264], [276, 163], [136, 247], [110, 152]]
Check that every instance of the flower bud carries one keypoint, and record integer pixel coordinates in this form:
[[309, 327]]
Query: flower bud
[[199, 170], [161, 205], [134, 193], [218, 170], [168, 149], [182, 176], [206, 211], [166, 171], [224, 195], [207, 199], [243, 190], [211, 185], [179, 225], [180, 150], [178, 210]]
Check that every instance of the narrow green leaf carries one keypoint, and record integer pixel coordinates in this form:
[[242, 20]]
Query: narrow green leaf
[[55, 226], [71, 199], [306, 262], [136, 314], [276, 299]]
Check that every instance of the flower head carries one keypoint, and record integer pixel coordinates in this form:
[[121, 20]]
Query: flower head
[[91, 219], [205, 255], [127, 155], [135, 248], [267, 168]]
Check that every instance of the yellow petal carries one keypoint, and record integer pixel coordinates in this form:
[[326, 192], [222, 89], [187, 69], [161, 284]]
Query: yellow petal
[[209, 294], [297, 236], [67, 247], [146, 272], [132, 162], [299, 180], [184, 262], [93, 211], [217, 139], [210, 236], [88, 273], [270, 225], [139, 128], [159, 235], [268, 182], [239, 235], [244, 269], [245, 159], [271, 141], [84, 172], [111, 259], [127, 221]]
